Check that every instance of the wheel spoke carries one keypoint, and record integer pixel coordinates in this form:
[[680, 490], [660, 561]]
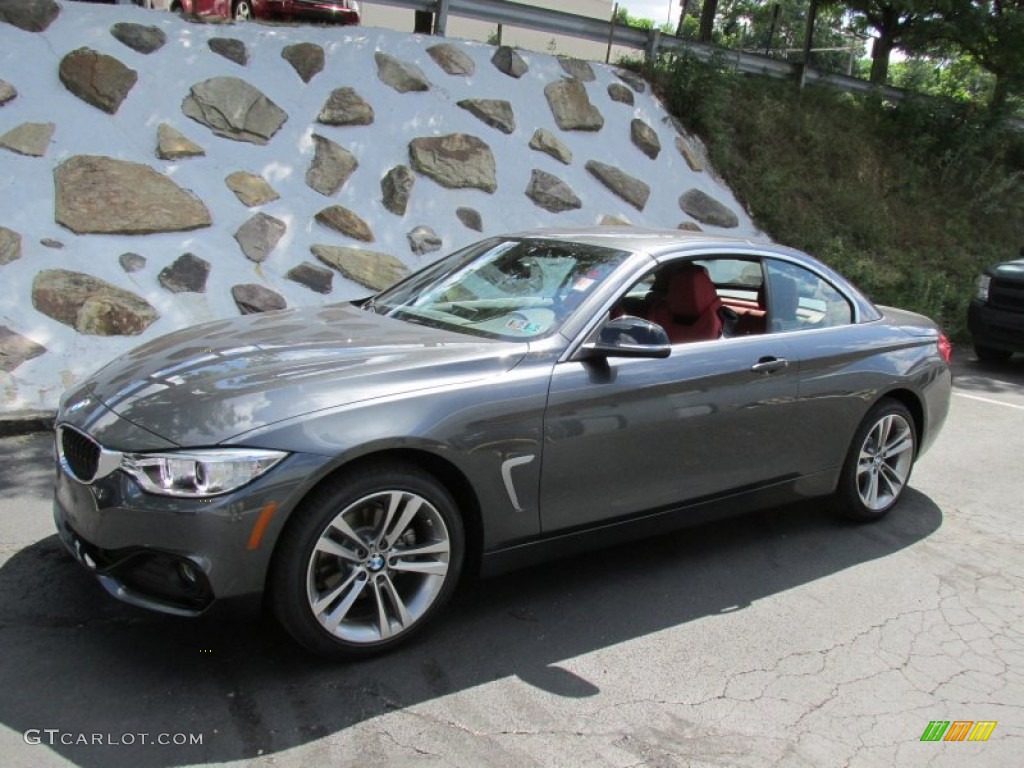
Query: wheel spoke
[[433, 548], [432, 567], [899, 446], [331, 547], [869, 493], [383, 622], [412, 506], [892, 478], [883, 428], [388, 587], [352, 587], [393, 504], [341, 526]]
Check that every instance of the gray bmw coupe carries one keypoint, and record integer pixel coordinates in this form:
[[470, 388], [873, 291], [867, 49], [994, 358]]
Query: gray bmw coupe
[[528, 396]]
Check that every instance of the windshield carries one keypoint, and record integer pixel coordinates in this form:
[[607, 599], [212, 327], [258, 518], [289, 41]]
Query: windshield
[[505, 288]]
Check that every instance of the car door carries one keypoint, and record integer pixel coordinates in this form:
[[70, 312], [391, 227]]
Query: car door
[[214, 8], [627, 435], [841, 362]]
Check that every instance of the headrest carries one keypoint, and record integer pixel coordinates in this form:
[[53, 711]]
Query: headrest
[[690, 291]]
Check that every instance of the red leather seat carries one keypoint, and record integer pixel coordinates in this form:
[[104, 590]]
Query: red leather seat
[[690, 309]]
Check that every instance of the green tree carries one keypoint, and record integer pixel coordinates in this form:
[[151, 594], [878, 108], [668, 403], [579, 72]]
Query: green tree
[[756, 25], [707, 20], [895, 22], [991, 32]]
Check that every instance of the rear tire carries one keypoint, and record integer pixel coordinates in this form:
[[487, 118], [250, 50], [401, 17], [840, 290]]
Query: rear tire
[[369, 558], [990, 354], [879, 462]]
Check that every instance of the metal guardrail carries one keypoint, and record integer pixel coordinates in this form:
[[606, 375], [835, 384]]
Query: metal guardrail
[[505, 12], [651, 42]]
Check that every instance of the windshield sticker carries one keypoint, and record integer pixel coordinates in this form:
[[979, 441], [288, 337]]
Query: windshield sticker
[[523, 326]]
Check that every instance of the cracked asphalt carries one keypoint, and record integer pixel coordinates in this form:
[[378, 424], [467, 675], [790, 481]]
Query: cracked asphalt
[[785, 638]]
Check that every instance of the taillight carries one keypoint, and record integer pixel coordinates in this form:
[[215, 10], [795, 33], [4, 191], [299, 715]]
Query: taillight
[[945, 348]]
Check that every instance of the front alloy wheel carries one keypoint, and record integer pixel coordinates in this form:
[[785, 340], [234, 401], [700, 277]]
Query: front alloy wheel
[[367, 562], [243, 10], [879, 464]]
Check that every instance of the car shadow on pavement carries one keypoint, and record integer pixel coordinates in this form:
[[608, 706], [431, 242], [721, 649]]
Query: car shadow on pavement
[[83, 666], [26, 465], [994, 378]]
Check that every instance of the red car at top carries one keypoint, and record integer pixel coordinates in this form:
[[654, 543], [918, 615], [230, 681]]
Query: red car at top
[[338, 11]]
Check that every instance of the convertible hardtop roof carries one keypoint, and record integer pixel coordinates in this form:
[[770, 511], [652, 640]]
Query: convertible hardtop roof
[[639, 238]]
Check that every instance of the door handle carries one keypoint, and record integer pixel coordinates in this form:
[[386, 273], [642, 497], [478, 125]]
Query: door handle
[[768, 365]]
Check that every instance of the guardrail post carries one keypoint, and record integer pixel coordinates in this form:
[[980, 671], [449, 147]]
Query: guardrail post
[[611, 33], [805, 61], [653, 42], [441, 22]]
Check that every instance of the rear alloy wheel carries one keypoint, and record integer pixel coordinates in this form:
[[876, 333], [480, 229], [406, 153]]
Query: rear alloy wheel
[[242, 10], [368, 561], [878, 465]]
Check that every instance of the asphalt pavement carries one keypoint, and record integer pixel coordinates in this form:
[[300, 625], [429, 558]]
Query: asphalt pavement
[[782, 638]]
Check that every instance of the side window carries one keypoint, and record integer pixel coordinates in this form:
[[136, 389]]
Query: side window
[[700, 300], [798, 299]]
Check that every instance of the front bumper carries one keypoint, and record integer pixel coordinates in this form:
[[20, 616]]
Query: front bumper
[[178, 555], [996, 328]]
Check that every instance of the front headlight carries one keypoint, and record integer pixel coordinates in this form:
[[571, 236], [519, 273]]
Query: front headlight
[[981, 287], [199, 473]]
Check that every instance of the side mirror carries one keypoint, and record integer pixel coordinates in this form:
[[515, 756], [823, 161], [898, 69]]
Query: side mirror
[[629, 337]]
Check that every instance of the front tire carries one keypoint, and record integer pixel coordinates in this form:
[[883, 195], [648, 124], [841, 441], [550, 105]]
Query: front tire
[[879, 462], [368, 560], [242, 10]]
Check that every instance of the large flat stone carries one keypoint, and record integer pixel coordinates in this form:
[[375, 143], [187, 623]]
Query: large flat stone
[[29, 15], [629, 188], [97, 79], [96, 194], [31, 139], [551, 193], [258, 236], [16, 349], [341, 219], [90, 305], [10, 246], [372, 269], [571, 106], [234, 109], [331, 166], [705, 209], [345, 107], [307, 59], [455, 161]]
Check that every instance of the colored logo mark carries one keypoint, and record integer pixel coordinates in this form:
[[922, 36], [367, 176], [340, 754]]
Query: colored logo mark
[[958, 730]]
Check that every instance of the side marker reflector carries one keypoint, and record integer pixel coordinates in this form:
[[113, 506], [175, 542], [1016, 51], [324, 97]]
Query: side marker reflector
[[261, 524]]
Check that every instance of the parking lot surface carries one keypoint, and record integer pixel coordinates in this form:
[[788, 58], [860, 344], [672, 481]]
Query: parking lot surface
[[783, 638]]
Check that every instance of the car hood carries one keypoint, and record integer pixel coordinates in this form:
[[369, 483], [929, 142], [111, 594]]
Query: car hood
[[1009, 270], [206, 384]]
